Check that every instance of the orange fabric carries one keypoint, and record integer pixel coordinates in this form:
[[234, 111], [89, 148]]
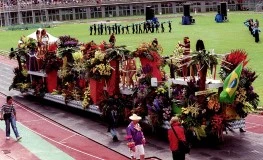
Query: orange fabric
[[172, 138]]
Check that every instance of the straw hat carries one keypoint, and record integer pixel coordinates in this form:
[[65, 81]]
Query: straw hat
[[134, 117]]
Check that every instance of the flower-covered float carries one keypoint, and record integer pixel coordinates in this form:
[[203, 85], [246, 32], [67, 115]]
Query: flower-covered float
[[93, 77]]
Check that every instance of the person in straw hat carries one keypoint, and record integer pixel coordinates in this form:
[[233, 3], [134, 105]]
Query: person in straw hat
[[135, 138], [173, 140]]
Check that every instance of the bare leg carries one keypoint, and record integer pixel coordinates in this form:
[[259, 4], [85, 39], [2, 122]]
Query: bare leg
[[142, 157], [131, 74]]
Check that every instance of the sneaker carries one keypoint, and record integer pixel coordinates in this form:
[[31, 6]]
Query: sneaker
[[18, 138], [7, 138], [115, 139], [242, 130]]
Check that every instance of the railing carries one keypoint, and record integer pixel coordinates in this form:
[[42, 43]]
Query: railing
[[24, 7], [259, 7]]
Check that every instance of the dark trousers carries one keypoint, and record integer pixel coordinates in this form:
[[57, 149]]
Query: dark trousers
[[256, 35], [177, 155]]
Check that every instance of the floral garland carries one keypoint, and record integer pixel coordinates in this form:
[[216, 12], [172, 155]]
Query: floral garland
[[86, 99]]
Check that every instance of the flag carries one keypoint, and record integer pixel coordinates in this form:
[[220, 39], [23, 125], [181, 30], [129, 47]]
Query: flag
[[230, 85]]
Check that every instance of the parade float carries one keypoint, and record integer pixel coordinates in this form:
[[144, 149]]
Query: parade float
[[93, 77]]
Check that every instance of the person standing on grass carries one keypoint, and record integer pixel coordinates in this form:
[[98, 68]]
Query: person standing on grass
[[112, 39], [170, 26], [135, 137], [9, 115], [90, 30]]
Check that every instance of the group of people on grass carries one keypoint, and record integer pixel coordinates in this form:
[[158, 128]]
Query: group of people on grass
[[136, 28], [253, 27]]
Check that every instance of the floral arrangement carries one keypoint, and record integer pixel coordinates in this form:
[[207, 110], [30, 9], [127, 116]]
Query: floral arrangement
[[20, 80], [233, 59], [176, 56], [149, 51], [192, 110], [118, 52], [89, 49], [66, 47], [27, 43], [246, 99], [98, 66], [162, 90], [38, 86], [142, 91], [67, 41], [51, 62], [86, 99], [79, 64], [217, 125], [213, 103], [167, 113], [178, 52], [23, 87]]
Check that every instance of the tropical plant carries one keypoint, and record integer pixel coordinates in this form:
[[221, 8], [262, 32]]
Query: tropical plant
[[52, 62], [204, 60]]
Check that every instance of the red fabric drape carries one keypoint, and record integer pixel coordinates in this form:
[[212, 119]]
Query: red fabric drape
[[144, 61], [114, 81], [156, 71], [82, 83], [155, 67], [96, 90], [52, 47], [51, 81]]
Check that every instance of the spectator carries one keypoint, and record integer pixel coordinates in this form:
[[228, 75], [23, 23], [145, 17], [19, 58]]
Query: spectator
[[112, 119], [175, 133], [136, 138], [9, 115], [112, 39]]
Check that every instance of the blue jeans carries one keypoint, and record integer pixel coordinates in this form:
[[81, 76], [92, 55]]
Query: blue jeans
[[11, 121], [113, 132]]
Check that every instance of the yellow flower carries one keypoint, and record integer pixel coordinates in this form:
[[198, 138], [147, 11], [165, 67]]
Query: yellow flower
[[77, 55]]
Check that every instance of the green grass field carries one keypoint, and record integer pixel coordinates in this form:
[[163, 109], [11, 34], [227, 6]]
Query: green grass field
[[222, 37]]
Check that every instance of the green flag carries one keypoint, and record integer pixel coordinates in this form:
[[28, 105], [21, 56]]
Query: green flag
[[230, 85]]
